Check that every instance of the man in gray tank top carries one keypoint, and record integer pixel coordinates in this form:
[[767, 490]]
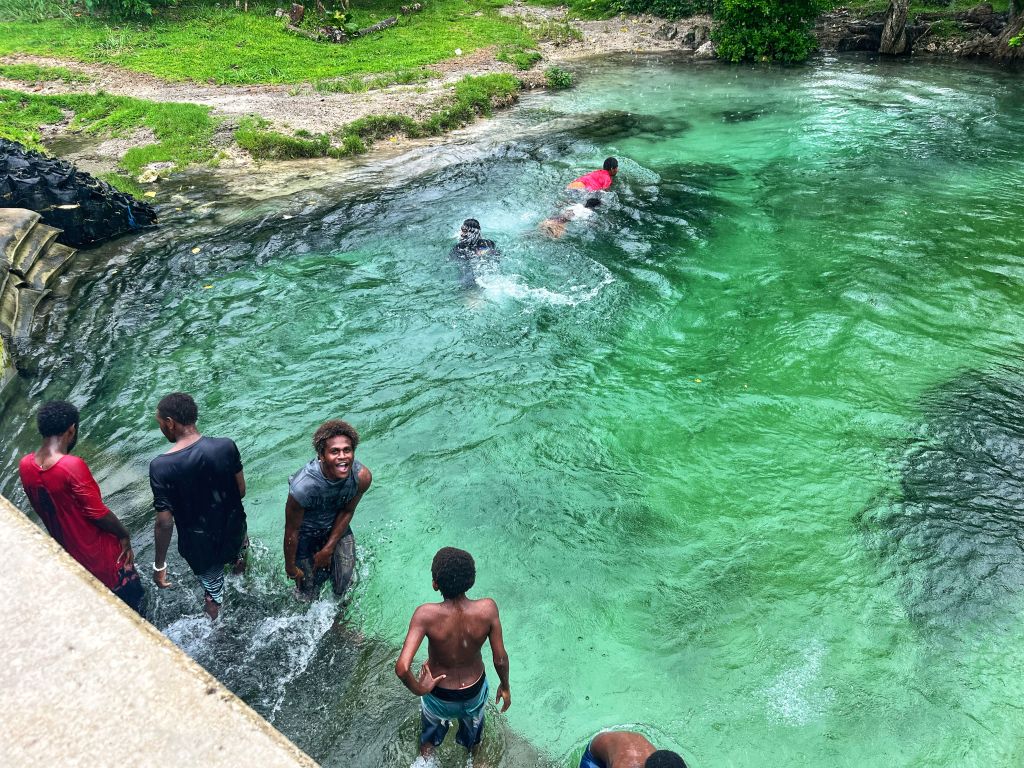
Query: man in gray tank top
[[322, 497]]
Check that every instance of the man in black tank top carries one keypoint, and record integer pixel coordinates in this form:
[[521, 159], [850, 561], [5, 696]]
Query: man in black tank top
[[198, 486], [322, 498]]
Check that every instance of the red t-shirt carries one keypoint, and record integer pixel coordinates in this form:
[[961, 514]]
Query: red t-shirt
[[593, 181], [67, 499]]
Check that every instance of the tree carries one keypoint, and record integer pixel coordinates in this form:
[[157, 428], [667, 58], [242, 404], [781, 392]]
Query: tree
[[766, 30]]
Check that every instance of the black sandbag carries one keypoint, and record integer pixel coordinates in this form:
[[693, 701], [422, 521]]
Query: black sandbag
[[87, 209]]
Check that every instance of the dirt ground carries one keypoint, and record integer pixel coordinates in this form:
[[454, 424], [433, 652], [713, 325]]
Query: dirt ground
[[291, 107]]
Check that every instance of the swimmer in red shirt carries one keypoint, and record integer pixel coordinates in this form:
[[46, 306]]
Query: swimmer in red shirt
[[595, 181]]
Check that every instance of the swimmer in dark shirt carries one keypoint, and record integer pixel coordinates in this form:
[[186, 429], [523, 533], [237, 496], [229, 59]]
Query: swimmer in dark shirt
[[470, 243]]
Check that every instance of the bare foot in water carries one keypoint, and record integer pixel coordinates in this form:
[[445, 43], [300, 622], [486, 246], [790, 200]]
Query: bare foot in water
[[243, 559], [211, 607]]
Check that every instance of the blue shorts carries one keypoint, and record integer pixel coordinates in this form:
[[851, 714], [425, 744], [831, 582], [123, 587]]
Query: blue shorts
[[437, 714], [589, 761]]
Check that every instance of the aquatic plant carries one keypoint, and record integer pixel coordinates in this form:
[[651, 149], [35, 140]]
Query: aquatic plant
[[558, 78]]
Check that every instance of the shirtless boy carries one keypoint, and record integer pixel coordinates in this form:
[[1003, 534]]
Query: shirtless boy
[[625, 749], [452, 684]]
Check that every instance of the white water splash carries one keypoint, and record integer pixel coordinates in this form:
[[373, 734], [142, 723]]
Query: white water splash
[[796, 697], [190, 633], [497, 287], [425, 762], [299, 635]]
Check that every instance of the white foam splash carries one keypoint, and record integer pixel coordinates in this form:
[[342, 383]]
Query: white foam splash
[[795, 697], [190, 633], [299, 635], [512, 286]]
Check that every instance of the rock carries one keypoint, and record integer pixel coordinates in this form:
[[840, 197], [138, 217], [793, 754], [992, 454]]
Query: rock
[[666, 32], [857, 43], [279, 13], [380, 25], [297, 13], [148, 176], [706, 51], [894, 40], [333, 34], [701, 34]]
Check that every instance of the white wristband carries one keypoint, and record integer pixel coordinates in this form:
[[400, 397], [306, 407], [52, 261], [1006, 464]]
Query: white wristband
[[162, 568]]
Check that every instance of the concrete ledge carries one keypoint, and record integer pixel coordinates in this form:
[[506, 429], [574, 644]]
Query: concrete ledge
[[86, 682]]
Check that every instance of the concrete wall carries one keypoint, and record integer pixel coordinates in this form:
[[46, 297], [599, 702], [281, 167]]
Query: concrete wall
[[86, 682]]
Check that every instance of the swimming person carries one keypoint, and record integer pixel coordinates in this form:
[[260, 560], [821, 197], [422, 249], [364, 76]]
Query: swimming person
[[471, 244], [625, 749], [62, 491], [198, 486], [322, 498], [555, 226], [595, 181], [452, 684]]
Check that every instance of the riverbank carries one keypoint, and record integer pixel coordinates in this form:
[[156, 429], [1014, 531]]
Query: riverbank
[[248, 111]]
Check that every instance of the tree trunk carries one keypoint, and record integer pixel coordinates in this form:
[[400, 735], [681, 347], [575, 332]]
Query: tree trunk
[[894, 33]]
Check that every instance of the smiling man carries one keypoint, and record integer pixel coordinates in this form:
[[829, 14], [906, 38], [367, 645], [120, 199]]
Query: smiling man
[[322, 497]]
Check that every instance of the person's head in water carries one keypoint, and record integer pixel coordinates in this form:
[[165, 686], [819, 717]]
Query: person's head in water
[[611, 165], [177, 414], [57, 417], [469, 234], [592, 202], [454, 572], [663, 758]]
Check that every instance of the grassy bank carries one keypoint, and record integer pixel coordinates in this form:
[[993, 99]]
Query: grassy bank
[[184, 132], [472, 96], [206, 43]]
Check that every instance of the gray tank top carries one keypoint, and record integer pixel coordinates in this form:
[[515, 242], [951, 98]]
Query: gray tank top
[[322, 499]]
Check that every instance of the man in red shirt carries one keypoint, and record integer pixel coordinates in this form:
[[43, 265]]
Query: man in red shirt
[[595, 181], [64, 494]]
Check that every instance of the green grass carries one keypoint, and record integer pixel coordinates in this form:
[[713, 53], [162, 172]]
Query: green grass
[[31, 73], [520, 58], [358, 84], [473, 96], [222, 45], [876, 6], [184, 132], [947, 29]]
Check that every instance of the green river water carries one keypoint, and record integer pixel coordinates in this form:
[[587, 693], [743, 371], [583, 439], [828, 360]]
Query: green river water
[[739, 459]]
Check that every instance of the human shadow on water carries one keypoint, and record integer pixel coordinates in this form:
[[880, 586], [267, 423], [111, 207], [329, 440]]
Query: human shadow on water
[[951, 537]]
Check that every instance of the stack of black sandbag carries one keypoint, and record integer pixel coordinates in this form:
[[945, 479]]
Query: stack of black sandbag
[[87, 209]]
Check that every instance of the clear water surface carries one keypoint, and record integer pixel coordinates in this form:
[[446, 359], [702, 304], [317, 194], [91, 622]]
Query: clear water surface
[[738, 458]]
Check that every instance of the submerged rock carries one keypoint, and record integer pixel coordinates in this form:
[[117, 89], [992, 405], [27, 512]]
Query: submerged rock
[[618, 124], [951, 535]]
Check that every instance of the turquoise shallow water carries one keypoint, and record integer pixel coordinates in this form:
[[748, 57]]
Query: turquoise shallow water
[[736, 458]]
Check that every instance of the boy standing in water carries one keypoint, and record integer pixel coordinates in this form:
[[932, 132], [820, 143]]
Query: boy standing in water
[[197, 485], [625, 749], [452, 684], [64, 494], [322, 498]]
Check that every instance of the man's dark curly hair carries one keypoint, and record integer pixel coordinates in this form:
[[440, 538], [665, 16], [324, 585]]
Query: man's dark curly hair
[[663, 758], [453, 570], [55, 417], [180, 407], [333, 428]]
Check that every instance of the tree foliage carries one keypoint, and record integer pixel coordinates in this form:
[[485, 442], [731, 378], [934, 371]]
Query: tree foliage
[[766, 30]]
